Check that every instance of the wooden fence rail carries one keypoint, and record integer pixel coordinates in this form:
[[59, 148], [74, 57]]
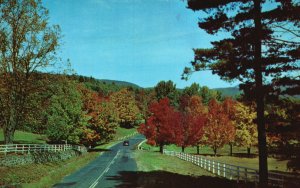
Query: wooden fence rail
[[232, 172], [27, 148]]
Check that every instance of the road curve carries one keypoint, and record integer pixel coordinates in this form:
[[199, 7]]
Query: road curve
[[96, 174]]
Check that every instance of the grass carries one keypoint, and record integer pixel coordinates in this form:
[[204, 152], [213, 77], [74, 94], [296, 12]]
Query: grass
[[43, 175], [157, 170], [121, 132], [223, 156], [153, 161], [25, 138]]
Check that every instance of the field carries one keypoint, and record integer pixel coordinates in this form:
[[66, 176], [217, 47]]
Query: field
[[25, 138], [239, 158]]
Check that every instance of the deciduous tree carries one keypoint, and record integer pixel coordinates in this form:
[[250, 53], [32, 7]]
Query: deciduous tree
[[219, 130], [27, 45], [162, 127], [126, 108]]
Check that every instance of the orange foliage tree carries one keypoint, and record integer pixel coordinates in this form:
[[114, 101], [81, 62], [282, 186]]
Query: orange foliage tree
[[219, 130]]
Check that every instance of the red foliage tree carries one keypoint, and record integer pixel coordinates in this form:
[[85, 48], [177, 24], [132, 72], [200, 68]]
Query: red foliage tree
[[192, 121], [162, 127]]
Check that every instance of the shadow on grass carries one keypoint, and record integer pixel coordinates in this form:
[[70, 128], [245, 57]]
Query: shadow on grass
[[98, 150], [163, 179]]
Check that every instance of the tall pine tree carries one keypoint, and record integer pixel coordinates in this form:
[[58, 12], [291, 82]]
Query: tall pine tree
[[262, 52]]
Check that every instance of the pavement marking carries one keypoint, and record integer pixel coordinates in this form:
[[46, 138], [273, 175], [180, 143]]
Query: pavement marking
[[106, 170]]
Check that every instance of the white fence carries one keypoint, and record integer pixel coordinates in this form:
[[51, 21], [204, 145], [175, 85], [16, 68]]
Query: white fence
[[27, 148], [233, 172]]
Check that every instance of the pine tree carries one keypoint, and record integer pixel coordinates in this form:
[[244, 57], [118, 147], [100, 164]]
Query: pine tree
[[263, 51]]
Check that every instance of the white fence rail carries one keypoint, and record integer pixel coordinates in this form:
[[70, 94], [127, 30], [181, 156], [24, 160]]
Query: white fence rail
[[127, 136], [233, 172], [27, 148]]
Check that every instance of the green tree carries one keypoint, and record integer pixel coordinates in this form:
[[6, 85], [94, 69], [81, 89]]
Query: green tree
[[65, 119], [262, 51], [194, 89], [27, 44], [126, 108], [167, 89]]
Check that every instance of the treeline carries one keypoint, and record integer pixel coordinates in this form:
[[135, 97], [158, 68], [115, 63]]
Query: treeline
[[198, 116]]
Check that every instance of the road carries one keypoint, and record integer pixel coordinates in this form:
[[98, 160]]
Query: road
[[97, 173]]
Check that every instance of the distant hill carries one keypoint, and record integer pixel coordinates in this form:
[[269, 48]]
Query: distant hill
[[229, 91], [119, 83]]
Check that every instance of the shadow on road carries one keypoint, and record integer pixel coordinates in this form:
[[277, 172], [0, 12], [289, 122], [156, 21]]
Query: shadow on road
[[163, 179]]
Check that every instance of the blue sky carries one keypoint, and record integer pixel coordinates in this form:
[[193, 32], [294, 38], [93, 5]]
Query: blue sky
[[139, 41]]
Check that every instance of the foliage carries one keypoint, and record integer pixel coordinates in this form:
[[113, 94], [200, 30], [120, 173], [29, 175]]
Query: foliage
[[167, 89], [126, 108], [162, 127], [219, 130], [246, 131], [193, 119], [262, 52], [27, 44], [64, 117]]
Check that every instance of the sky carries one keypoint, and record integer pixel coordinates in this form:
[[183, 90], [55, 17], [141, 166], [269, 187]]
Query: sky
[[138, 41]]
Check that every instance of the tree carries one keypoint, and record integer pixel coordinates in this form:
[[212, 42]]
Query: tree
[[262, 52], [246, 132], [162, 127], [219, 130], [65, 119], [192, 121], [27, 44], [102, 120], [167, 89], [126, 108], [194, 89]]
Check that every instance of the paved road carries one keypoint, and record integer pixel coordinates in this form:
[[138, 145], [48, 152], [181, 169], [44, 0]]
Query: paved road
[[97, 173]]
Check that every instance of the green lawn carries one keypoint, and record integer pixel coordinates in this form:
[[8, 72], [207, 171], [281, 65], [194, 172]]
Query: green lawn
[[121, 132], [157, 170], [25, 137], [223, 156]]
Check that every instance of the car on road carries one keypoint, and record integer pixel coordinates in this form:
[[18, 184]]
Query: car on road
[[126, 143]]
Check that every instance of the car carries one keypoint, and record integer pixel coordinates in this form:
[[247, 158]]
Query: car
[[126, 143]]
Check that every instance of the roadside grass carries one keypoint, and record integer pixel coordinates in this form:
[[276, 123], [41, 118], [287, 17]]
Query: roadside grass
[[25, 138], [157, 170], [43, 175], [238, 159], [121, 132]]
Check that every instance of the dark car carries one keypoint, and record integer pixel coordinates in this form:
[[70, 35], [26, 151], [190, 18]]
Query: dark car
[[126, 143]]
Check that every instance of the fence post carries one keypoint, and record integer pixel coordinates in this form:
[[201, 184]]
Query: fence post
[[246, 175], [208, 165], [201, 162], [224, 168], [16, 149], [238, 173], [213, 166], [23, 148], [230, 173], [218, 169]]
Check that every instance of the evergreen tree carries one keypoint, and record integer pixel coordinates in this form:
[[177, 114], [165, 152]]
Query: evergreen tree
[[263, 51]]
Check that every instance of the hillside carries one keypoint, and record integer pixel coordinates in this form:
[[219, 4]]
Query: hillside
[[229, 91], [119, 83]]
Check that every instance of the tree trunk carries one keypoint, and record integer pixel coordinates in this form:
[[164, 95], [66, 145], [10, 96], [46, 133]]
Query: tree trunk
[[248, 151], [10, 126], [161, 148], [259, 95], [198, 150], [182, 149], [215, 151], [230, 144]]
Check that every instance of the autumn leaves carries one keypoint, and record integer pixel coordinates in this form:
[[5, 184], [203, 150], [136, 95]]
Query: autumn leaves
[[194, 124]]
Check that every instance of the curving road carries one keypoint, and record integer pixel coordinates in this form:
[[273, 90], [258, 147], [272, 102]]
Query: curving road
[[98, 172]]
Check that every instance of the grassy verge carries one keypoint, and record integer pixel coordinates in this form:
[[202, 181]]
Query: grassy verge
[[157, 170], [121, 132], [273, 164], [43, 175], [152, 161], [25, 138]]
